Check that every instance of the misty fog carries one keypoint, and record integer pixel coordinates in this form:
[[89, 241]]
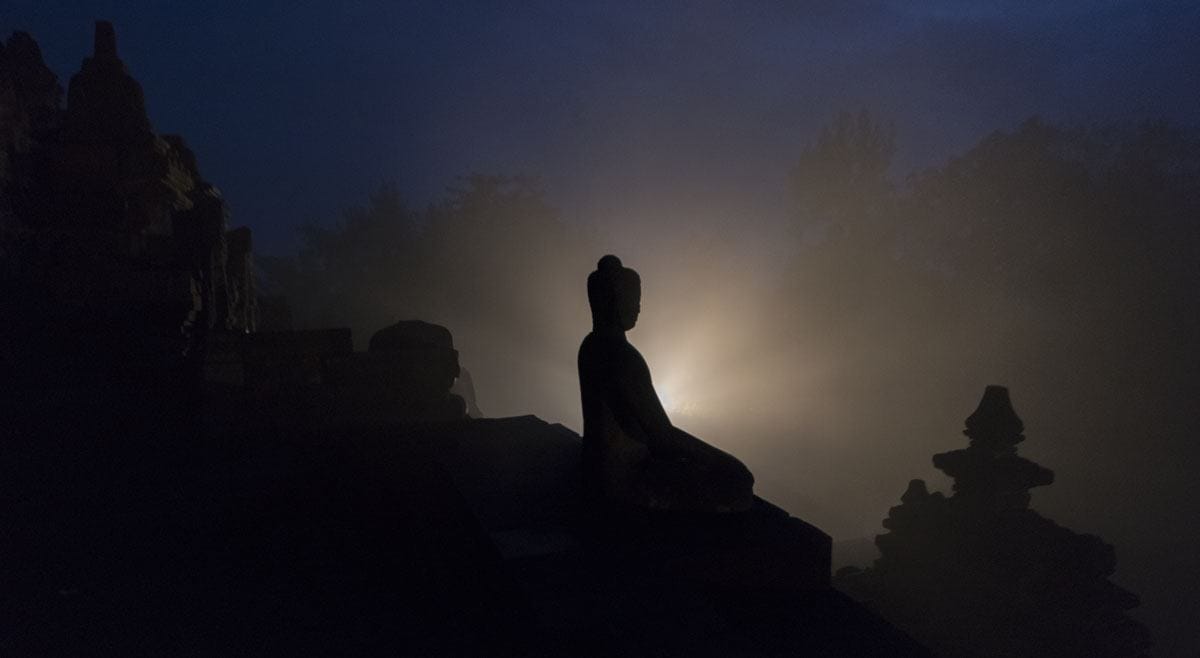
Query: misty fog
[[831, 323], [848, 218], [1057, 261], [836, 353]]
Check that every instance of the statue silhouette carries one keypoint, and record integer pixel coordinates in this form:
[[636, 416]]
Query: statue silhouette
[[632, 454]]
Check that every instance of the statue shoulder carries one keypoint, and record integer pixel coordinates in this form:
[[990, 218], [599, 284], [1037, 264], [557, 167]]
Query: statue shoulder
[[612, 352]]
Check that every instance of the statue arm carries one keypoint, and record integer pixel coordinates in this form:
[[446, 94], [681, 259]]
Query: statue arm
[[642, 417], [654, 426]]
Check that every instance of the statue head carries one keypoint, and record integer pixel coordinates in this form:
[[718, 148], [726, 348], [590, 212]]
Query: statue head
[[615, 295]]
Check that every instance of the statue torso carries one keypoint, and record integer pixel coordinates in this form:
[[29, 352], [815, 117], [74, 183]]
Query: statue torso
[[610, 369]]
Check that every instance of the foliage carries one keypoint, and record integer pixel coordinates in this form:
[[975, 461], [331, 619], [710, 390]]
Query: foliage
[[842, 178], [1060, 260], [1065, 224], [491, 261]]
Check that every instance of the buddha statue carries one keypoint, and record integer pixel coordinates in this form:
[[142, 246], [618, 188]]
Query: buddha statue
[[632, 454]]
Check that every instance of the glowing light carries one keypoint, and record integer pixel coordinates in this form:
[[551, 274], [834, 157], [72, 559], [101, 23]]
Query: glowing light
[[674, 405], [667, 400]]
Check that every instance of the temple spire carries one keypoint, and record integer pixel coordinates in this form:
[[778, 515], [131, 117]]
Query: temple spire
[[105, 42], [994, 422]]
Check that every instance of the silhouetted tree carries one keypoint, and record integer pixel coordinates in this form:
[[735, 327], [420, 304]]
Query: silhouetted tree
[[1054, 214], [492, 261], [1064, 259], [352, 273], [1072, 249], [841, 179], [981, 574], [1014, 246], [1062, 218], [860, 306]]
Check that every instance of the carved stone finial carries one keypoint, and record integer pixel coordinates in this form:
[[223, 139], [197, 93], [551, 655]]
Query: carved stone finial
[[916, 492], [989, 469], [106, 41], [994, 420], [105, 103]]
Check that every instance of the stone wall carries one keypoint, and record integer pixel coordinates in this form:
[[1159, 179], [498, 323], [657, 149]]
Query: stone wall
[[105, 224]]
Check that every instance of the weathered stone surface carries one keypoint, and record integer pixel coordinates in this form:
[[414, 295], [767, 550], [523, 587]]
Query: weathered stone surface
[[109, 169], [410, 366], [411, 335], [30, 93], [429, 347], [30, 97], [98, 213], [199, 235], [241, 295]]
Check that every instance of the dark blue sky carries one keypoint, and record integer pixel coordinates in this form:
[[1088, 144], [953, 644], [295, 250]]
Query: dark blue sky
[[631, 112]]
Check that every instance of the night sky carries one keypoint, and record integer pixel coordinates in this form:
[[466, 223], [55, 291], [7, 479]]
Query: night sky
[[646, 121], [630, 112]]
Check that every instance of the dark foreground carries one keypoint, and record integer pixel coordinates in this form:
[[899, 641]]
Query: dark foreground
[[137, 523]]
